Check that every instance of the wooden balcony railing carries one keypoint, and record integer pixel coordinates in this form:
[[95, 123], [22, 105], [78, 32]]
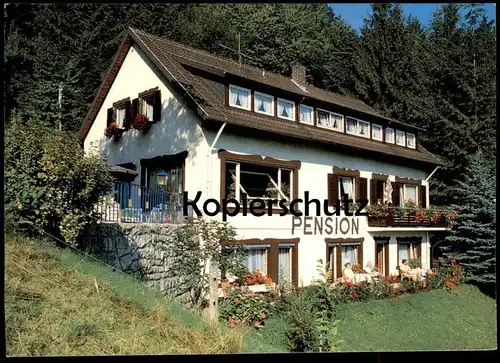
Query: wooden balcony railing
[[406, 219]]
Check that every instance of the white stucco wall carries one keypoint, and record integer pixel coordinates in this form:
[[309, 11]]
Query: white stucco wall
[[315, 165], [179, 131]]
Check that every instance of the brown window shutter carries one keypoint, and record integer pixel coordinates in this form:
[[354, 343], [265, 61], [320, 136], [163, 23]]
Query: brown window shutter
[[373, 191], [128, 116], [110, 116], [423, 196], [360, 255], [396, 194], [157, 107], [333, 189], [386, 247], [362, 189], [134, 108], [419, 250]]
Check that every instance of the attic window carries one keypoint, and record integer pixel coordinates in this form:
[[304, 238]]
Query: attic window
[[389, 135], [264, 103], [148, 106], [306, 114], [400, 138], [352, 125], [410, 140], [239, 97], [363, 128], [286, 109], [120, 115]]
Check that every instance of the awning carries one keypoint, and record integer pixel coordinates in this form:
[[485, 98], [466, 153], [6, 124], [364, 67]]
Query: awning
[[122, 170]]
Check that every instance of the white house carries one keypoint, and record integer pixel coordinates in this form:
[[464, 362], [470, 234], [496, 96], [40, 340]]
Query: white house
[[225, 129]]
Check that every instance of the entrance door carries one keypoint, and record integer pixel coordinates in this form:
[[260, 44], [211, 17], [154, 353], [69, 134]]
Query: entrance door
[[382, 256]]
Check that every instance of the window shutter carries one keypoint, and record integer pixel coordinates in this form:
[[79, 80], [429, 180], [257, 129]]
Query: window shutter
[[396, 194], [128, 116], [360, 255], [423, 196], [386, 262], [110, 116], [373, 191], [419, 250], [157, 107], [134, 108], [363, 189], [333, 189]]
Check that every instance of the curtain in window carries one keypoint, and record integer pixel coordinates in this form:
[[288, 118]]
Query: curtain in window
[[349, 255], [285, 109], [336, 122], [305, 115], [120, 116], [346, 187], [239, 98], [413, 250], [256, 260], [323, 118], [263, 104], [411, 193], [403, 252], [350, 126], [284, 258]]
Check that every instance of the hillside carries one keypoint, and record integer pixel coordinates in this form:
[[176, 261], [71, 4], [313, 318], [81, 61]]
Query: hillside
[[58, 302]]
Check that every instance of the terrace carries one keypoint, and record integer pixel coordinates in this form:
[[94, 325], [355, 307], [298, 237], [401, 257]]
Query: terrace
[[133, 203]]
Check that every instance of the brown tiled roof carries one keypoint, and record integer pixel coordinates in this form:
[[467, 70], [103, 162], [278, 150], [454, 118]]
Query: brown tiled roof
[[171, 58]]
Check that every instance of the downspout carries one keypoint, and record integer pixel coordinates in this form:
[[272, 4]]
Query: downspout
[[209, 159]]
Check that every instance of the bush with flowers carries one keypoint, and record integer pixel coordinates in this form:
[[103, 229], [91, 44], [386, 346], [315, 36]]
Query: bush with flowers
[[113, 130], [244, 307], [141, 123]]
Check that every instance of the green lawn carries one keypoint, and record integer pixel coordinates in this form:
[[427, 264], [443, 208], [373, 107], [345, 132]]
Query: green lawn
[[58, 302], [433, 320]]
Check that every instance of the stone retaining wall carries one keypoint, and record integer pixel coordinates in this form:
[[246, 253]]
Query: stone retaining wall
[[141, 250]]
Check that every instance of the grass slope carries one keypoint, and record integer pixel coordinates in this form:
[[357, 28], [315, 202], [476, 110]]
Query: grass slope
[[434, 320], [58, 302]]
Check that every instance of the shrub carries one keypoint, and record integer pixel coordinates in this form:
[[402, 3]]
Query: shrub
[[50, 181], [241, 306]]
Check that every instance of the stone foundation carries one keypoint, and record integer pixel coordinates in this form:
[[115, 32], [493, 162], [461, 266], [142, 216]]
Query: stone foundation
[[141, 250]]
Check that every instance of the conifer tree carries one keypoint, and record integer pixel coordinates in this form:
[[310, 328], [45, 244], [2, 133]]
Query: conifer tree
[[473, 243]]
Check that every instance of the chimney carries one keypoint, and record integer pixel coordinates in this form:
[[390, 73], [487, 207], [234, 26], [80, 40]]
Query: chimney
[[299, 74]]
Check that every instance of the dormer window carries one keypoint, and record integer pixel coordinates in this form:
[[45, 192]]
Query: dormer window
[[410, 141], [239, 97], [400, 138], [389, 135], [363, 128], [376, 132], [306, 114], [351, 126], [264, 103], [286, 109], [330, 120]]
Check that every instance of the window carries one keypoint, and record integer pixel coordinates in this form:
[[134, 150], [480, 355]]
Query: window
[[349, 254], [409, 248], [263, 103], [340, 252], [410, 141], [256, 258], [377, 191], [147, 106], [257, 182], [346, 187], [376, 132], [306, 114], [239, 97], [173, 181], [120, 116], [330, 120], [382, 255], [286, 109], [400, 138], [323, 118], [284, 263], [364, 128], [389, 135], [410, 193], [352, 126]]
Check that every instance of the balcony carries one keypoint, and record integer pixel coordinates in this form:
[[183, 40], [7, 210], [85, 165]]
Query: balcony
[[410, 217], [133, 203]]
